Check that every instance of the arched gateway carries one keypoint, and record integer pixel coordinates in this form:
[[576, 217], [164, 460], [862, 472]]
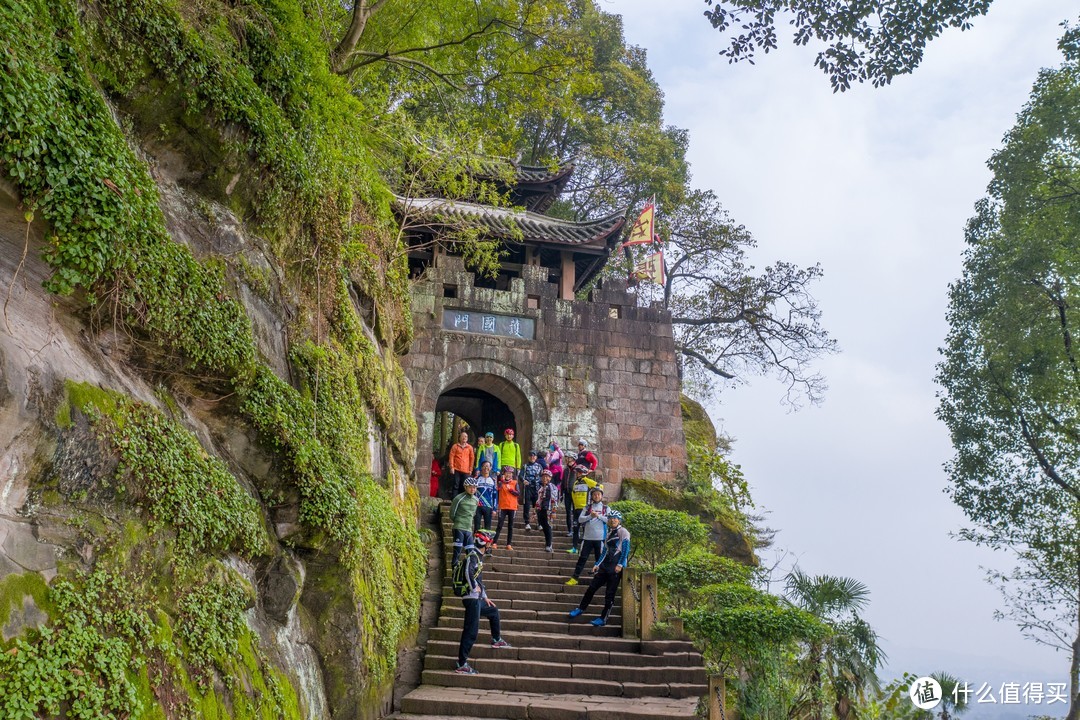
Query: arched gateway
[[487, 395], [522, 351]]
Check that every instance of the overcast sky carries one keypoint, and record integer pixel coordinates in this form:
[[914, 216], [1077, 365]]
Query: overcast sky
[[876, 185]]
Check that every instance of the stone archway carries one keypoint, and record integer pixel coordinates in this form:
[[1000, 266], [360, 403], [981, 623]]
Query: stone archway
[[468, 381]]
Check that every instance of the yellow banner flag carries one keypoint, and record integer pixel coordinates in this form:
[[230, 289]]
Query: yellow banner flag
[[642, 232], [651, 268]]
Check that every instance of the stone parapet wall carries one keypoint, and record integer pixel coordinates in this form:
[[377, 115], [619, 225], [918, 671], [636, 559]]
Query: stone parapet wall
[[602, 369]]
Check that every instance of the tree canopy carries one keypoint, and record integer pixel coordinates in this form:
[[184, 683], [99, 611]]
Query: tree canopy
[[865, 40], [543, 82], [1009, 373]]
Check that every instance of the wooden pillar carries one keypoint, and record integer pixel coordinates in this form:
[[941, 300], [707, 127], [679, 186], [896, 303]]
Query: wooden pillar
[[629, 604], [717, 698], [567, 277], [649, 598]]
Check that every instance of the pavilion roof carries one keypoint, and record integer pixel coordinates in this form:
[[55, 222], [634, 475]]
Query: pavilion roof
[[513, 224]]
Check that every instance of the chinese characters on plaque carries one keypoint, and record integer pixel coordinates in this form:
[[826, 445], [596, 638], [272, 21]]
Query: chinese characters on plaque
[[478, 323]]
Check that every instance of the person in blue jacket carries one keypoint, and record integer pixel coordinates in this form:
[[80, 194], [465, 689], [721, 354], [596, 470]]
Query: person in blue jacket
[[487, 497], [608, 569]]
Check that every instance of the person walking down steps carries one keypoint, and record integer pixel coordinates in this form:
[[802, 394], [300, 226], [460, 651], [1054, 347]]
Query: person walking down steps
[[608, 569], [547, 501], [468, 583], [593, 521], [578, 499], [462, 516]]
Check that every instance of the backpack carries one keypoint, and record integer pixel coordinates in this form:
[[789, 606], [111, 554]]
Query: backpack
[[459, 580]]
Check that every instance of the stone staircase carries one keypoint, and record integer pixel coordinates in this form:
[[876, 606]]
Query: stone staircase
[[557, 669]]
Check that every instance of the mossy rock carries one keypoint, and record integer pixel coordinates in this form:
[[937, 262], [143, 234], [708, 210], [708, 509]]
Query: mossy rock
[[24, 604], [729, 540], [697, 426]]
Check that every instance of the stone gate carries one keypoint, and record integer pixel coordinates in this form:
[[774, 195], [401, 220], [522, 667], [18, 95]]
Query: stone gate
[[522, 350]]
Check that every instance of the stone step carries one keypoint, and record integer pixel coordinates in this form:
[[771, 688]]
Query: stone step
[[538, 579], [596, 654], [565, 596], [519, 556], [560, 686], [555, 584], [477, 702], [457, 610], [580, 626], [532, 639], [538, 602], [534, 669]]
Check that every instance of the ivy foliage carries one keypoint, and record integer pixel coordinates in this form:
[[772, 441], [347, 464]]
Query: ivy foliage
[[110, 650], [65, 153], [165, 469], [82, 664]]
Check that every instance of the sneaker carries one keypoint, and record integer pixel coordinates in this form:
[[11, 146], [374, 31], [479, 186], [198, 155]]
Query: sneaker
[[549, 549], [528, 526], [509, 547], [569, 534], [598, 622], [572, 550], [572, 581], [494, 546], [575, 612], [500, 643], [466, 669]]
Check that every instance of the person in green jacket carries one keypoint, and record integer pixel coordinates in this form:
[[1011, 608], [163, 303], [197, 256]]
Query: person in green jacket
[[462, 510], [510, 452], [488, 451]]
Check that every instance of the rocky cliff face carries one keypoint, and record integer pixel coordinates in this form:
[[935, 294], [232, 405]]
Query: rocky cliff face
[[205, 436]]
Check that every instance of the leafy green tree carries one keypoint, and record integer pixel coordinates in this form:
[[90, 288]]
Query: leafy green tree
[[1009, 372], [847, 657], [683, 574], [545, 81], [738, 626], [657, 535], [871, 40]]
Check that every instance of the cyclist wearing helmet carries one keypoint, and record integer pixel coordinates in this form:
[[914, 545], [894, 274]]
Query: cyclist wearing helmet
[[477, 604], [608, 569], [579, 498], [462, 512], [593, 521]]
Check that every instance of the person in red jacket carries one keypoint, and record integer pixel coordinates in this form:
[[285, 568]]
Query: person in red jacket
[[436, 473], [508, 505], [585, 456]]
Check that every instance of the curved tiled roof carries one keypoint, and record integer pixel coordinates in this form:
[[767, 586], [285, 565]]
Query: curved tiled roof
[[512, 224]]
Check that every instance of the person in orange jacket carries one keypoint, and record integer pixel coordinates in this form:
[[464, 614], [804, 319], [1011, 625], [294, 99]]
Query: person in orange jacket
[[508, 505], [462, 458]]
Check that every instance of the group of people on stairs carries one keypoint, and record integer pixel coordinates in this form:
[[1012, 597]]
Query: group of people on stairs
[[602, 536]]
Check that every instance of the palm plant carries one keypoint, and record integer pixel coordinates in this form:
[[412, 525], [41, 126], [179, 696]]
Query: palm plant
[[849, 656], [952, 702]]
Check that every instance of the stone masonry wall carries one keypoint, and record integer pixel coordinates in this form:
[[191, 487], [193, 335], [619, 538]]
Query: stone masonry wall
[[602, 369]]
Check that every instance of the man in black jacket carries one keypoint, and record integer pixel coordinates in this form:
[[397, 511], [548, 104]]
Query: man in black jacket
[[475, 599]]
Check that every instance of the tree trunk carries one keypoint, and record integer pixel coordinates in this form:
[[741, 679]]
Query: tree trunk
[[1074, 663], [817, 705], [362, 12]]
